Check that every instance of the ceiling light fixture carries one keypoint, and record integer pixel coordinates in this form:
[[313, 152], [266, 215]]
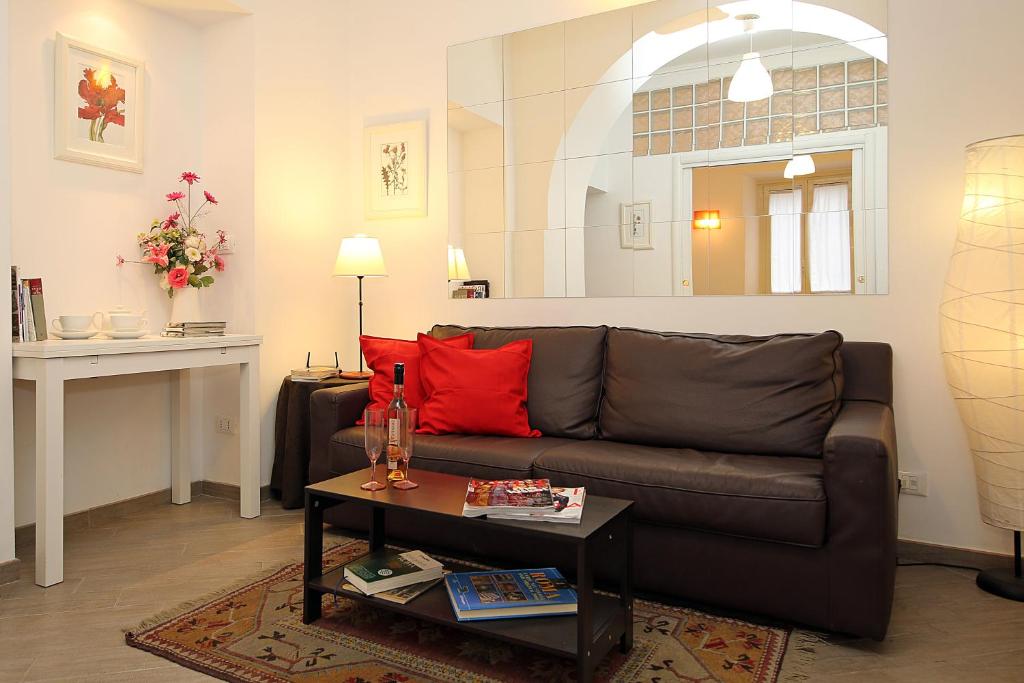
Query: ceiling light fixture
[[751, 82], [801, 164]]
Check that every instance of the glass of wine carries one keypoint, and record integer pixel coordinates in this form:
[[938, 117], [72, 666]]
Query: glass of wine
[[373, 434], [405, 444]]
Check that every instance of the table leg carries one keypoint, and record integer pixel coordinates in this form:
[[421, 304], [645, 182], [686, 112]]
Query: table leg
[[249, 435], [584, 615], [377, 529], [313, 559], [185, 433], [50, 475], [626, 582]]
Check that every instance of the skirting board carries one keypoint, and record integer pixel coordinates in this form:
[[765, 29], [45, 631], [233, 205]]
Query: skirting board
[[9, 571], [97, 516], [914, 551]]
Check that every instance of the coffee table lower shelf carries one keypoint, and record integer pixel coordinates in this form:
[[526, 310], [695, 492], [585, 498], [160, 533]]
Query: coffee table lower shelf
[[555, 635]]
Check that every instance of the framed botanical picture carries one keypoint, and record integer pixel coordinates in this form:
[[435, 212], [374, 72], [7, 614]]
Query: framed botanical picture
[[97, 117], [635, 226], [396, 170]]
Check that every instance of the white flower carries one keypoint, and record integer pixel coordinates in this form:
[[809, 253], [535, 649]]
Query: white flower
[[192, 242], [164, 284], [193, 254], [202, 246]]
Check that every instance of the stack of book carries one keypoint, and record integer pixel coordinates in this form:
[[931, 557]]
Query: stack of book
[[510, 594], [527, 499], [28, 315], [197, 329], [392, 575], [314, 373]]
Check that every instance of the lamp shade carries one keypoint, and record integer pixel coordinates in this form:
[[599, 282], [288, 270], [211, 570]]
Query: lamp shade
[[458, 269], [801, 164], [982, 325], [707, 219], [752, 81], [360, 256]]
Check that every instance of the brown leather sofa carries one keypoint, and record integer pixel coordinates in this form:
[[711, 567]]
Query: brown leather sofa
[[763, 468]]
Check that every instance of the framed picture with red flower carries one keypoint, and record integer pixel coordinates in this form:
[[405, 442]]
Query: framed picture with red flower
[[396, 170], [98, 104]]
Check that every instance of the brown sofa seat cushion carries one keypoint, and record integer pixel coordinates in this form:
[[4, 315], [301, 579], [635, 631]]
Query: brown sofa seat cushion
[[493, 457], [564, 384], [777, 499], [774, 395]]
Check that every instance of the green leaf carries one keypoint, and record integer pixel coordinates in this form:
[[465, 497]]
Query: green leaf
[[193, 281], [206, 280]]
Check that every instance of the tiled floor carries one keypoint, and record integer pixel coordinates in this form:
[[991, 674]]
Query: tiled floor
[[124, 570]]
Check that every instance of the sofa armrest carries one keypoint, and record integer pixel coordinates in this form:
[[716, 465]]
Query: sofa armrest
[[330, 410], [860, 483]]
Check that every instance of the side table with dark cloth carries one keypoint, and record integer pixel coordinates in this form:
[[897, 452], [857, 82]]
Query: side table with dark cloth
[[291, 439]]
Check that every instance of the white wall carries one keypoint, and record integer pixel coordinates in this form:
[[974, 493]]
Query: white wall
[[928, 132], [6, 422]]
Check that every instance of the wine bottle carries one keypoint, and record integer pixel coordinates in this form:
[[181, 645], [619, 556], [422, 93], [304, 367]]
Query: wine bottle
[[398, 418]]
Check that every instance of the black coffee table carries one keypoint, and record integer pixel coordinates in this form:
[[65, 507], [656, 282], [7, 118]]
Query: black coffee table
[[601, 622]]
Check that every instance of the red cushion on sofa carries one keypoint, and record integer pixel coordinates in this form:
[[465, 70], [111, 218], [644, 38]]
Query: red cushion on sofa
[[474, 391], [381, 355]]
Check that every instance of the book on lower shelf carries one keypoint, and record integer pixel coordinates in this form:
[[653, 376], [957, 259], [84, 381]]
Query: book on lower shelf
[[510, 594], [568, 508], [485, 497], [399, 595], [386, 570]]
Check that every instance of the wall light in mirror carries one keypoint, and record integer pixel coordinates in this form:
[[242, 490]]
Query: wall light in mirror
[[708, 219], [458, 269], [801, 164]]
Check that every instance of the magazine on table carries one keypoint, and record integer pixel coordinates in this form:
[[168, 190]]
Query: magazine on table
[[485, 497], [510, 594], [568, 508]]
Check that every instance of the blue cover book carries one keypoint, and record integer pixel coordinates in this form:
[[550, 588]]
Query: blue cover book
[[508, 594]]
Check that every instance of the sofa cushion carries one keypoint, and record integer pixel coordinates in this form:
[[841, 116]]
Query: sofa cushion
[[776, 395], [777, 499], [492, 457], [564, 384]]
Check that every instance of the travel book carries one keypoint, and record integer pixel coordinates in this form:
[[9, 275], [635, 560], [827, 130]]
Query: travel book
[[510, 594], [568, 508], [385, 570], [400, 595], [486, 497]]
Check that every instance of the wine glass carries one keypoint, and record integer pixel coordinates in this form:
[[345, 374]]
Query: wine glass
[[373, 434], [405, 444]]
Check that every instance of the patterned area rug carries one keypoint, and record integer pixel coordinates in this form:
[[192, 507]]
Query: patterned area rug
[[254, 633]]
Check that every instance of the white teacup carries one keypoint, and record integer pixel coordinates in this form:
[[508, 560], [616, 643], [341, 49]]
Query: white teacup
[[127, 322], [76, 323]]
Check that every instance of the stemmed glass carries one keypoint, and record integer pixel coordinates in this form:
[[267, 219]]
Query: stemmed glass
[[373, 432], [405, 444]]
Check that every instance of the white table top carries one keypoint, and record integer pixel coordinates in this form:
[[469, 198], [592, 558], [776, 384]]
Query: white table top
[[105, 346]]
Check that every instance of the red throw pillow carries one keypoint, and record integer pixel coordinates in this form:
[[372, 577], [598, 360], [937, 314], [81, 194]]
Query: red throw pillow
[[381, 355], [474, 391]]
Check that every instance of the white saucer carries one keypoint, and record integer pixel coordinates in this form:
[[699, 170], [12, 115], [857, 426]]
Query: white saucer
[[74, 335], [126, 334]]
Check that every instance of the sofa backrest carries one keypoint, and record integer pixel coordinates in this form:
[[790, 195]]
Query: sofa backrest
[[775, 395], [566, 371]]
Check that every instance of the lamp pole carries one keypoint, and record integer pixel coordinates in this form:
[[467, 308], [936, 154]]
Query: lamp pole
[[358, 347]]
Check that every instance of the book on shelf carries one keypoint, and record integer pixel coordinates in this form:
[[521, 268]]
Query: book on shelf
[[400, 595], [28, 315], [315, 373], [386, 570], [219, 324], [17, 329], [511, 594], [191, 333], [485, 497], [568, 508], [35, 296]]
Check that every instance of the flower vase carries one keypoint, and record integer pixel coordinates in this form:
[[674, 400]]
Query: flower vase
[[185, 306]]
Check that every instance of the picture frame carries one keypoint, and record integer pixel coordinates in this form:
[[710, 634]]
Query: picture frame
[[635, 226], [396, 170], [98, 106]]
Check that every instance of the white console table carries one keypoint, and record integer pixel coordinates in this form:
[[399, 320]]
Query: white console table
[[50, 363]]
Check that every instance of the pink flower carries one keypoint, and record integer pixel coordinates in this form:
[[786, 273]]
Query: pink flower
[[171, 221], [218, 263], [175, 196], [222, 238], [158, 255], [209, 197], [189, 177], [177, 277], [119, 261]]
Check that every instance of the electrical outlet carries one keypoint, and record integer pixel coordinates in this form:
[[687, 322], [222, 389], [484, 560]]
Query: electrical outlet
[[914, 483], [225, 425]]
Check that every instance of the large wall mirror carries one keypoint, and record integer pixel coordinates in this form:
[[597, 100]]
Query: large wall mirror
[[674, 148]]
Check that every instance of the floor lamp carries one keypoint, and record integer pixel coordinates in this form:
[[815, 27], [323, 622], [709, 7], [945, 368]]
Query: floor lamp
[[359, 257], [983, 339]]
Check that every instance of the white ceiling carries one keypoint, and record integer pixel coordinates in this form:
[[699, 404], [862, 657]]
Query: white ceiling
[[198, 12]]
